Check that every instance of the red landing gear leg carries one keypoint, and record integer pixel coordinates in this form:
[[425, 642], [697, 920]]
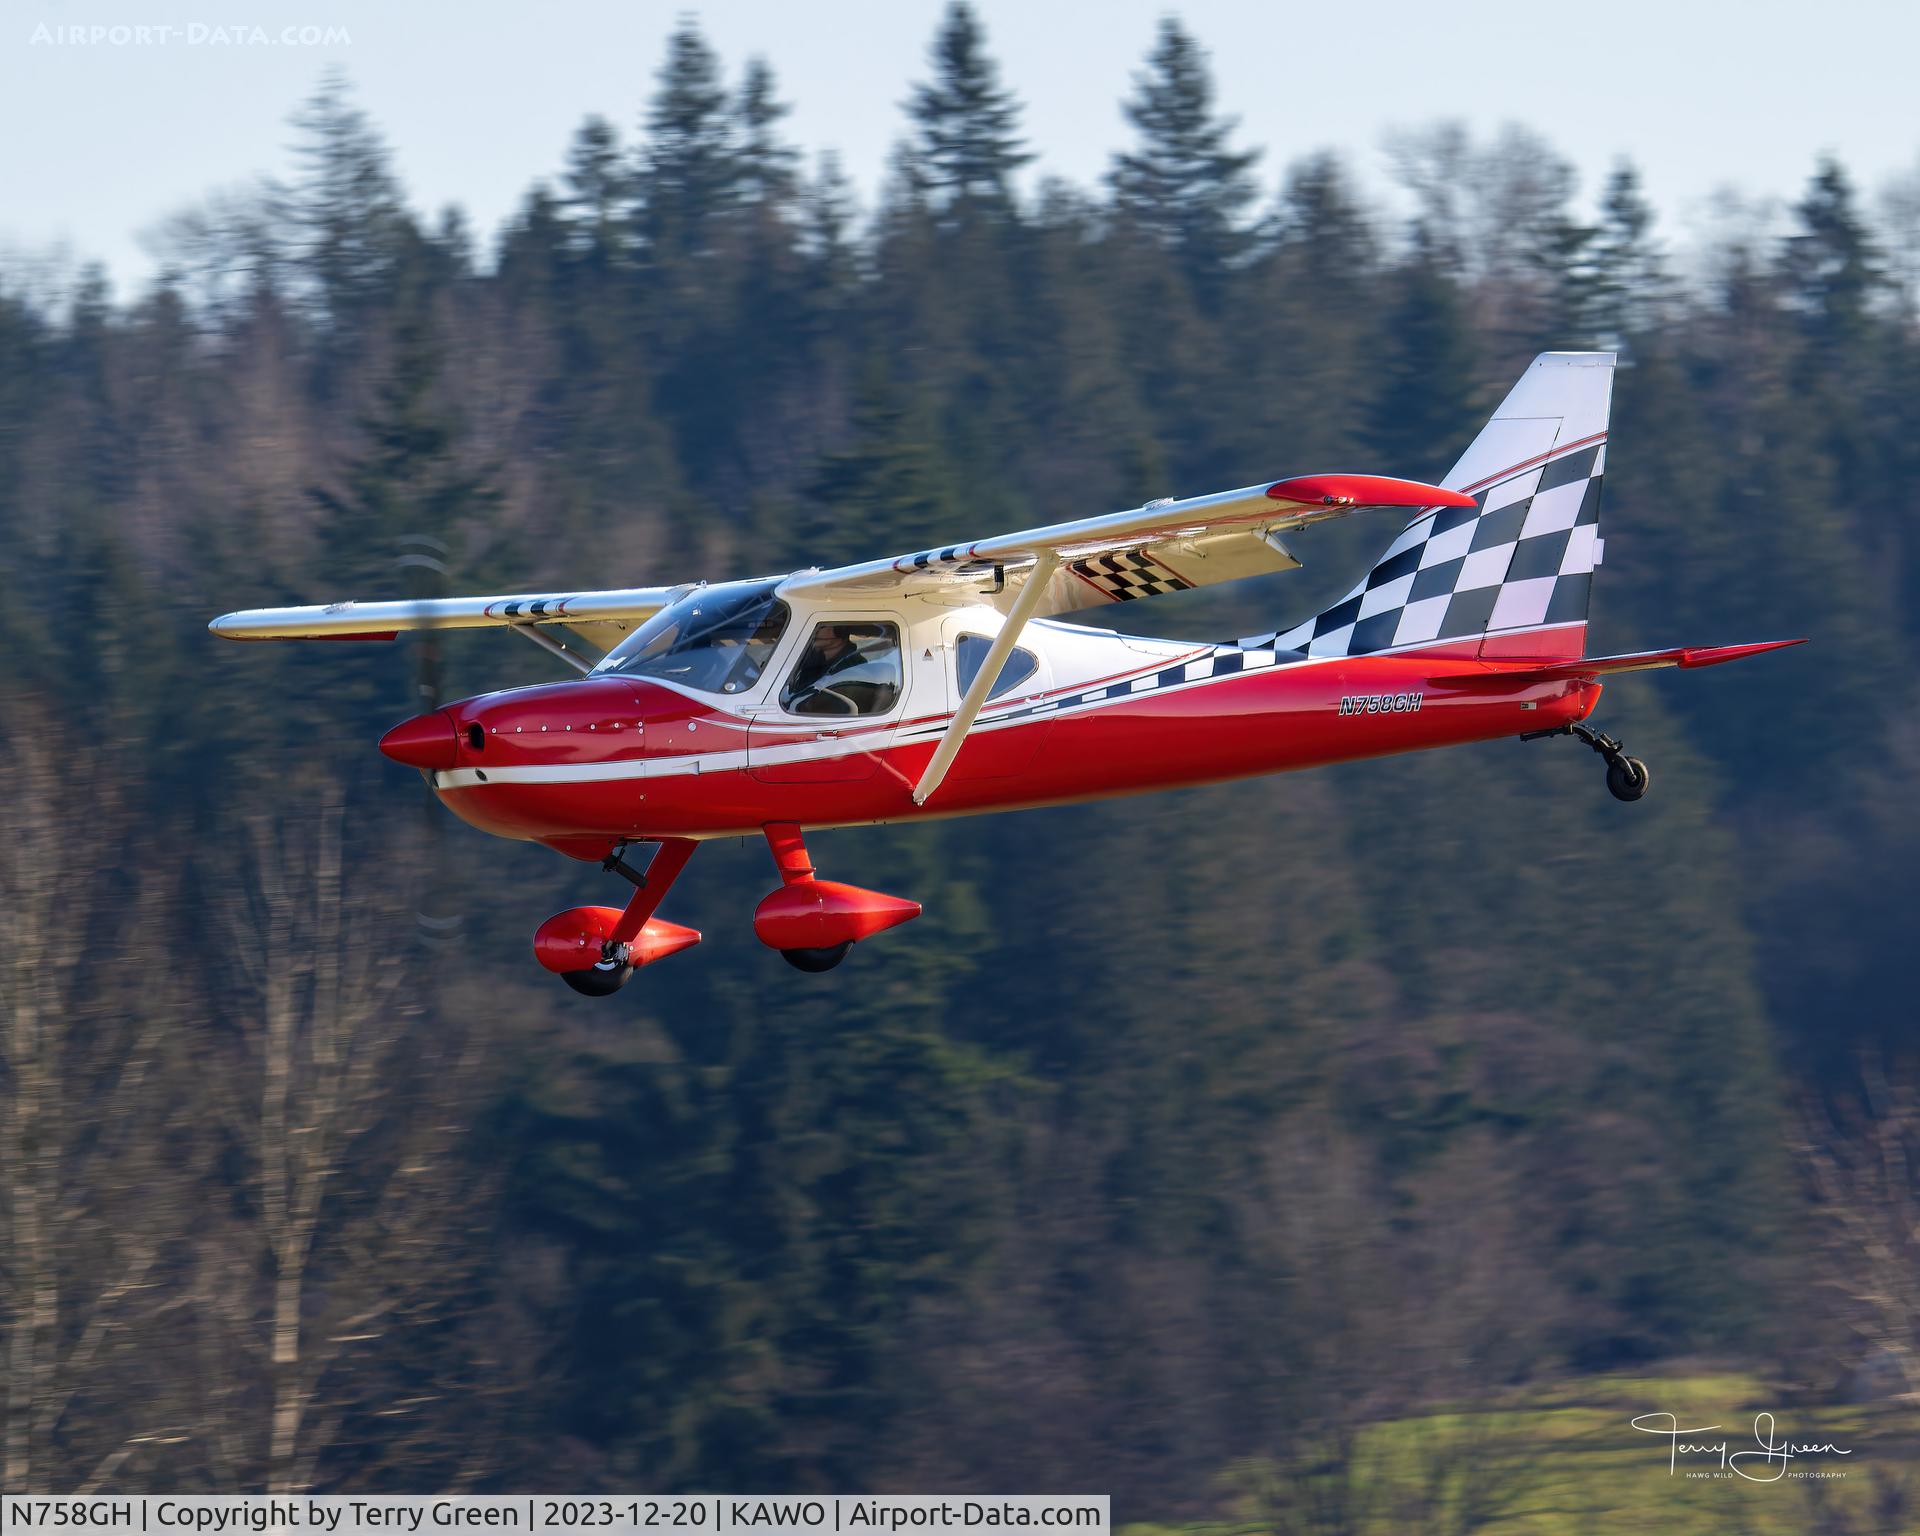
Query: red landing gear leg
[[790, 855], [649, 890], [596, 950], [814, 922]]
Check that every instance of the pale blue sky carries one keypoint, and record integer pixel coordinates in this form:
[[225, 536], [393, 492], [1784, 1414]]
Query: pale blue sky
[[478, 99]]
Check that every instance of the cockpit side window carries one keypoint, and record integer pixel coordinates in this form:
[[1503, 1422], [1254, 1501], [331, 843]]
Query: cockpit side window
[[970, 654], [715, 639], [847, 669]]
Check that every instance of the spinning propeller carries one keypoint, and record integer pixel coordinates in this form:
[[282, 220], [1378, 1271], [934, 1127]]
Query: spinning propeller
[[423, 566]]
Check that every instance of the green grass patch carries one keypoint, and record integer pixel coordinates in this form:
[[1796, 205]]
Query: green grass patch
[[1564, 1460]]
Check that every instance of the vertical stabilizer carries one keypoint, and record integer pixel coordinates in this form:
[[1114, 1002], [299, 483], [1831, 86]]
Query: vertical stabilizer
[[1512, 575]]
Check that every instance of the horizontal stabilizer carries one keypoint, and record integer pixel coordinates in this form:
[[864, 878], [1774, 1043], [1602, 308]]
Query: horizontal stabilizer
[[1636, 661]]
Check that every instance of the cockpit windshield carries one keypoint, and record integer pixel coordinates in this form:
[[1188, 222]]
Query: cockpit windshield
[[715, 639]]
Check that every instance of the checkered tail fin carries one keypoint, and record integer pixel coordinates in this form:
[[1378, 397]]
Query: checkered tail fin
[[1511, 575]]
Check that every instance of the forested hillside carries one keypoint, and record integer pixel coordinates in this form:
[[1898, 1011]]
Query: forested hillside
[[1181, 1134]]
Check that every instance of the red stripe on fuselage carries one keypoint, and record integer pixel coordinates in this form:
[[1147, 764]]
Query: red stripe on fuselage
[[1267, 721]]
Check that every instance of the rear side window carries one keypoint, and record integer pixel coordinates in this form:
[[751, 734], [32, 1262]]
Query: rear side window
[[970, 652]]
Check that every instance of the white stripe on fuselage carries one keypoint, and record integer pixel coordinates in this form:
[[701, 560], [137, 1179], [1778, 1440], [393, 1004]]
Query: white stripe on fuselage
[[735, 759], [808, 743]]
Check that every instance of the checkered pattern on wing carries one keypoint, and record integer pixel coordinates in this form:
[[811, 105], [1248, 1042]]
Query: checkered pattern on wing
[[1128, 574], [1522, 556]]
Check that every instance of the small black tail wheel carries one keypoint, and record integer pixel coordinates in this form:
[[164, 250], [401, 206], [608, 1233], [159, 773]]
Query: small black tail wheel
[[1627, 778], [817, 959], [602, 980]]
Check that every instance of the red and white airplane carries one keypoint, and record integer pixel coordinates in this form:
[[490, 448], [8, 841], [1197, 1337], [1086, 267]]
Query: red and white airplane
[[937, 684]]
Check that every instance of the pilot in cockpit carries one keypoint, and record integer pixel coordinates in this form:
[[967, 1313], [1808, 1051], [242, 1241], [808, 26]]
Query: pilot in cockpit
[[847, 669], [829, 650]]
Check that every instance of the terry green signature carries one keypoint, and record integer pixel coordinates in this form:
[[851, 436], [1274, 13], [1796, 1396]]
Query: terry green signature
[[1773, 1456]]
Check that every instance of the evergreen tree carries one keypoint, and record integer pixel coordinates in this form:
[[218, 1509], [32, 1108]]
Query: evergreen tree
[[884, 490], [404, 485], [535, 249], [1322, 220], [767, 163], [1420, 430], [826, 229], [452, 244], [690, 167], [599, 190], [345, 207], [26, 338], [1311, 365], [1628, 283], [409, 505], [1183, 184], [1831, 275], [1832, 265], [1563, 271], [969, 142], [771, 305]]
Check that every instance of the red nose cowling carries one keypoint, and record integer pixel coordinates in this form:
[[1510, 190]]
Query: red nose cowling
[[425, 741]]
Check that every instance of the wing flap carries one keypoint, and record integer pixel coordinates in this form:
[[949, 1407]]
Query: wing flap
[[1164, 546]]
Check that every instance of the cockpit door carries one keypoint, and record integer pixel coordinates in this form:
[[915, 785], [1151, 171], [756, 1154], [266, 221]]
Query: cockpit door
[[838, 704]]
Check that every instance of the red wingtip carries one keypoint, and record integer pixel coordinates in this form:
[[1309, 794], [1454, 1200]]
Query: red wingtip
[[1365, 491]]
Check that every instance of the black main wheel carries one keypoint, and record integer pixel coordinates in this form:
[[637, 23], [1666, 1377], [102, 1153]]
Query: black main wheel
[[816, 959], [603, 980], [1627, 778]]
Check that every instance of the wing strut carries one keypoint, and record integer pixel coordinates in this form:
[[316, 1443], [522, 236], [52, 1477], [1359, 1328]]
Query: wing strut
[[1046, 562], [553, 647]]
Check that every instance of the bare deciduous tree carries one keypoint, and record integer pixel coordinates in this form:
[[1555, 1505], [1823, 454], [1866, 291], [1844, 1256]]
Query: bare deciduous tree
[[367, 1208], [1865, 1173], [86, 1097]]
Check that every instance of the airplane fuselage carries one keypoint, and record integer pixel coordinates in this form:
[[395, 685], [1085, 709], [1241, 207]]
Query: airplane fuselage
[[587, 764]]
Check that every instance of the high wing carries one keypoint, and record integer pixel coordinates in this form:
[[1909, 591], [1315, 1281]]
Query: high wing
[[600, 617], [1164, 546]]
